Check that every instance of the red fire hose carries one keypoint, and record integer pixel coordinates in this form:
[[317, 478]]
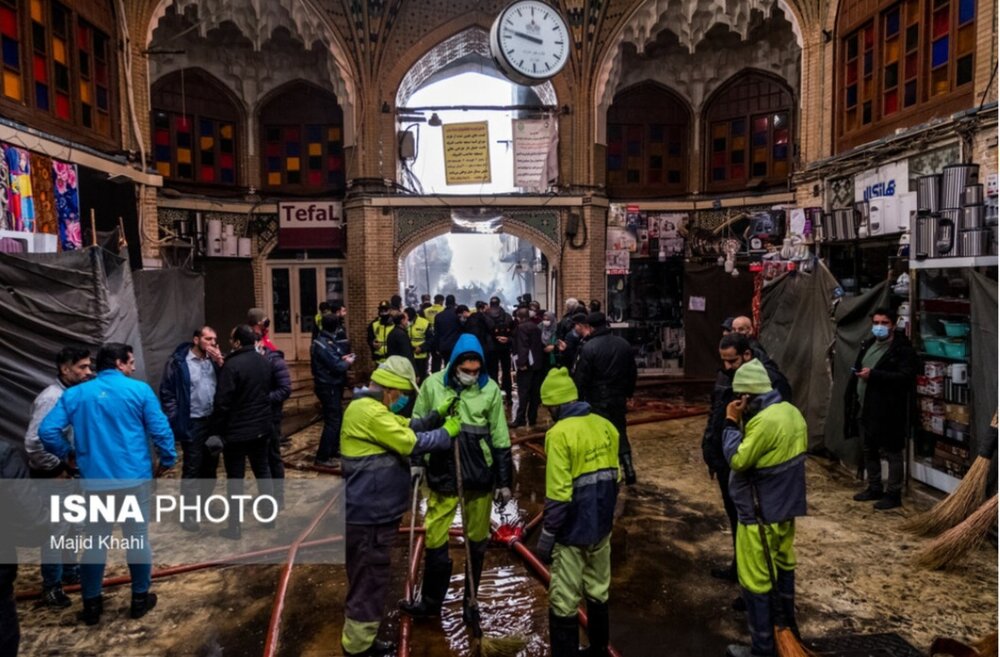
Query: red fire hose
[[405, 621]]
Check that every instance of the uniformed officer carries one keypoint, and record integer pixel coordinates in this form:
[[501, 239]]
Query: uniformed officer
[[418, 335], [378, 332]]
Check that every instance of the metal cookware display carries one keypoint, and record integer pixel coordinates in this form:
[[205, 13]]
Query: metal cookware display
[[844, 226], [954, 179], [946, 233], [973, 216], [928, 192], [973, 195], [974, 242]]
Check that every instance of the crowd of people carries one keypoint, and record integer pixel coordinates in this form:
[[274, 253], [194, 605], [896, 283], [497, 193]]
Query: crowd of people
[[438, 409]]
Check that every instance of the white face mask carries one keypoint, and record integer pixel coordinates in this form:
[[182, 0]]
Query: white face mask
[[547, 323], [466, 379]]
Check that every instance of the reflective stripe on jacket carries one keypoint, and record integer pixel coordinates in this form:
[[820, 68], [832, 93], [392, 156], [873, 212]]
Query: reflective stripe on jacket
[[581, 476], [418, 332], [380, 334]]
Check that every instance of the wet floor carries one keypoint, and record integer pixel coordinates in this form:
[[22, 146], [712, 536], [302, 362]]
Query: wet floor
[[669, 532]]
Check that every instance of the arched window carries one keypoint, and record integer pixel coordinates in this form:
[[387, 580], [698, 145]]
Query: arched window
[[901, 62], [302, 147], [58, 67], [748, 124], [648, 135], [195, 129]]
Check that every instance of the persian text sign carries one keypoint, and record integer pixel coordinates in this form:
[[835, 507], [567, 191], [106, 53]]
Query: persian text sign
[[466, 153], [886, 180], [311, 225], [533, 153]]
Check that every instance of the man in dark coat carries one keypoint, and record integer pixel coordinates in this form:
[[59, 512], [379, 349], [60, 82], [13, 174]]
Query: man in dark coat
[[530, 355], [877, 406], [605, 375], [735, 350], [499, 366], [480, 325], [280, 390], [242, 416], [329, 366], [398, 343], [447, 328]]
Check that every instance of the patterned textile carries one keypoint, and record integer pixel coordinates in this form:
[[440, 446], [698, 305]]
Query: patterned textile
[[6, 221], [67, 206], [45, 202], [20, 202]]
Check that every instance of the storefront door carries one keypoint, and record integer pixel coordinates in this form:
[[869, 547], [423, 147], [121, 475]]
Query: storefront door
[[294, 292]]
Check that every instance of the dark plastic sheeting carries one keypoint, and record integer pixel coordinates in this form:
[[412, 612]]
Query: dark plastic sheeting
[[983, 372], [171, 308], [725, 296]]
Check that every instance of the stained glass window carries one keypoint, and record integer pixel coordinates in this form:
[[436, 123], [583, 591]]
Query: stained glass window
[[194, 129], [10, 40], [745, 145], [925, 52], [302, 141], [647, 149]]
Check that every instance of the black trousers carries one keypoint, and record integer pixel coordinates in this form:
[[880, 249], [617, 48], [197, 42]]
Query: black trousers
[[498, 366], [420, 368], [276, 465], [615, 414], [332, 402], [198, 463], [529, 395], [437, 361], [235, 457], [368, 569]]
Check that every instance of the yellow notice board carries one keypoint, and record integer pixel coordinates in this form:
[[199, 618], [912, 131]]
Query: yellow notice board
[[466, 153]]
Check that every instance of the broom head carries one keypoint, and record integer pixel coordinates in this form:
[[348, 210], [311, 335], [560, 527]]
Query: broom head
[[503, 646], [959, 540], [788, 645], [956, 507]]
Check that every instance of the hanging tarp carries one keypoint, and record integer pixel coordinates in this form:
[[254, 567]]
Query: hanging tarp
[[716, 295], [171, 308], [983, 372], [853, 320], [50, 301], [797, 331]]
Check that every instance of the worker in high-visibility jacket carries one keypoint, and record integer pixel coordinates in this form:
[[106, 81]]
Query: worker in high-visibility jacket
[[418, 335], [376, 446], [764, 441], [486, 465], [582, 477], [378, 333]]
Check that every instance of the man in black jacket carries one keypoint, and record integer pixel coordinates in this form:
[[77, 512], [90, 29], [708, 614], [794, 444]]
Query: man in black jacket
[[447, 328], [735, 349], [242, 416], [329, 366], [280, 390], [480, 325], [605, 376], [530, 356], [398, 342], [877, 406], [498, 364]]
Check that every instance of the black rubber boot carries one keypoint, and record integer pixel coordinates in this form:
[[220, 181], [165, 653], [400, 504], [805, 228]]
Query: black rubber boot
[[869, 495], [92, 609], [55, 597], [377, 649], [786, 593], [760, 623], [564, 635], [437, 575], [598, 628], [478, 550], [628, 470], [891, 500], [142, 603]]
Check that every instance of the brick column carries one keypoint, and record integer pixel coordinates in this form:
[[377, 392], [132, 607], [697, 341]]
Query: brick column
[[582, 273]]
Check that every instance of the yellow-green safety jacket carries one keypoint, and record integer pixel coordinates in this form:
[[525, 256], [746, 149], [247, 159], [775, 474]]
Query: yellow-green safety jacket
[[379, 332], [418, 331]]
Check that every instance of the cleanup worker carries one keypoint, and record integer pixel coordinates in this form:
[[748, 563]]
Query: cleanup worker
[[486, 464], [378, 333], [765, 444], [376, 445], [581, 487], [418, 332]]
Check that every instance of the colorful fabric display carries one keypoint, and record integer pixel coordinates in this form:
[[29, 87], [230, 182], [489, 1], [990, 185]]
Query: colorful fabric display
[[21, 204], [6, 221], [44, 194], [67, 206]]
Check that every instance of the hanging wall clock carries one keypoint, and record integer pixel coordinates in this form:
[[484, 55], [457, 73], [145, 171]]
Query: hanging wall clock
[[530, 41]]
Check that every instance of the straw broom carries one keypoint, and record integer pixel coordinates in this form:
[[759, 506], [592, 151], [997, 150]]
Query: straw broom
[[959, 540], [963, 501], [987, 646]]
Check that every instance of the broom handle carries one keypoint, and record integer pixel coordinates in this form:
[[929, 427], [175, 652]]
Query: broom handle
[[465, 537], [413, 524], [759, 515]]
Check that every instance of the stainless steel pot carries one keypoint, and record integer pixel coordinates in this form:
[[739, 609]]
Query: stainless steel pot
[[972, 216], [925, 236], [863, 225], [973, 195], [844, 226], [974, 242], [954, 179], [945, 233], [928, 192]]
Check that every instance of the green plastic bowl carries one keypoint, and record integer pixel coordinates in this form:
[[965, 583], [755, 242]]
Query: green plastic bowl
[[956, 329], [934, 346], [955, 348]]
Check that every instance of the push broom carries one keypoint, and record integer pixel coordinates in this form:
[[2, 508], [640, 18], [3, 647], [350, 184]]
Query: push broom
[[960, 539], [481, 646], [963, 501]]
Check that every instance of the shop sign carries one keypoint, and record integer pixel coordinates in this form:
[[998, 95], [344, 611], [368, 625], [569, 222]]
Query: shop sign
[[890, 179], [466, 153], [311, 225]]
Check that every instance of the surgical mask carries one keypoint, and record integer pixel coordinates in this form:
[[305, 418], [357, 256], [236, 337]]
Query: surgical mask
[[400, 403], [880, 332], [463, 320], [547, 323], [466, 379]]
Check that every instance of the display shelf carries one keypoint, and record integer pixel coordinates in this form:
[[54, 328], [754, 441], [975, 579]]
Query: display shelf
[[927, 356], [946, 306], [922, 471], [954, 263]]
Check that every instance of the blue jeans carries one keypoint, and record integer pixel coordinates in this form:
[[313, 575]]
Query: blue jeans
[[140, 559]]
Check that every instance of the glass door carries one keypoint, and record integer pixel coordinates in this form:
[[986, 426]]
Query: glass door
[[294, 293]]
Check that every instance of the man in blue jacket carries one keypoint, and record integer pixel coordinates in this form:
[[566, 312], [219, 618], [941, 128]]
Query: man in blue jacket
[[187, 390], [329, 369], [111, 417]]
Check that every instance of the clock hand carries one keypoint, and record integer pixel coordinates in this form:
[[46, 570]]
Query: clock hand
[[528, 37]]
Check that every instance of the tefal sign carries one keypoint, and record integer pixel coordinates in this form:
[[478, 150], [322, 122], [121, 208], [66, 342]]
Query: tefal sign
[[311, 225]]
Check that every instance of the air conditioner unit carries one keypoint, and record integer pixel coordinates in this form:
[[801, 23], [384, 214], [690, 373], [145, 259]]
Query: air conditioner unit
[[33, 242]]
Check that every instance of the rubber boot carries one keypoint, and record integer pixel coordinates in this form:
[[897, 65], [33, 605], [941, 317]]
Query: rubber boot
[[142, 603], [92, 609], [760, 623], [437, 575], [598, 628], [628, 470], [786, 593], [478, 550], [891, 500], [564, 635], [869, 494]]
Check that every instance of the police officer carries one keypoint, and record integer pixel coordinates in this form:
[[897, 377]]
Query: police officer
[[418, 335], [581, 486], [378, 332], [376, 444], [486, 464]]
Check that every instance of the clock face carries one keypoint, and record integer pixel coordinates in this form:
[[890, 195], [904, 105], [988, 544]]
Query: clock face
[[531, 41]]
